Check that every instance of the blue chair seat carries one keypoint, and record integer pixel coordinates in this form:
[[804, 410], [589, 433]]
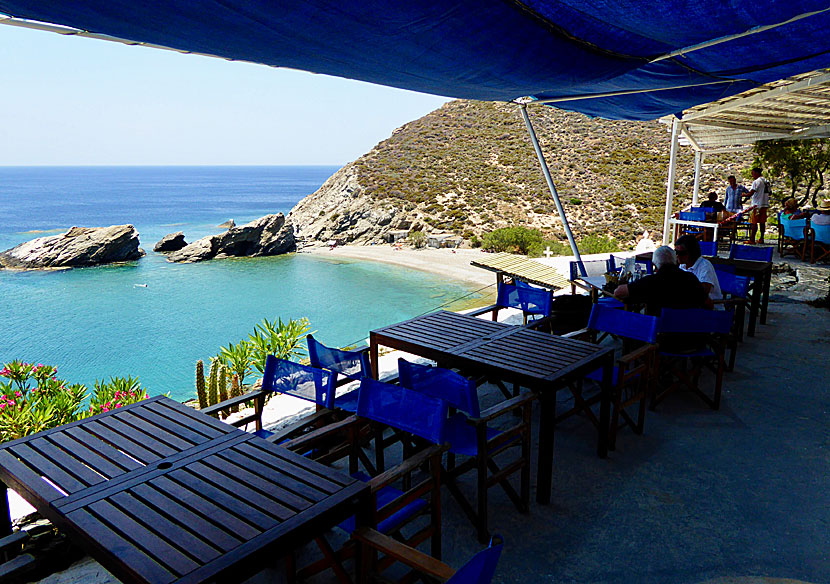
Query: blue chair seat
[[385, 496], [609, 302], [462, 436], [263, 433], [347, 401]]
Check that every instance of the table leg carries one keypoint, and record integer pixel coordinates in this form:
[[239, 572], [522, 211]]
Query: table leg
[[754, 304], [606, 395], [365, 558], [373, 356], [544, 465], [5, 513], [765, 298]]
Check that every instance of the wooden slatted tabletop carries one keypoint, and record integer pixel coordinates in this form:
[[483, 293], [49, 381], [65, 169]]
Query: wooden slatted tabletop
[[542, 362], [159, 493], [522, 268]]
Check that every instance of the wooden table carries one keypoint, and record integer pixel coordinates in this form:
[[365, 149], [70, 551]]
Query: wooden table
[[759, 272], [540, 361], [158, 493]]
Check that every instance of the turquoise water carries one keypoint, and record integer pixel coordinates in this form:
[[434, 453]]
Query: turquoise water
[[97, 322]]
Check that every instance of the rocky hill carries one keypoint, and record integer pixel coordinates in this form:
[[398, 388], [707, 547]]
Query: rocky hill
[[469, 167]]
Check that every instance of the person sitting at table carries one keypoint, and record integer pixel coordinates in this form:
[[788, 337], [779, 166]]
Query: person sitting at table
[[687, 249], [713, 203], [791, 210], [668, 287], [819, 216]]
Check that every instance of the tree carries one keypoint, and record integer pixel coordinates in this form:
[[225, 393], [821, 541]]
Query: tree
[[801, 163]]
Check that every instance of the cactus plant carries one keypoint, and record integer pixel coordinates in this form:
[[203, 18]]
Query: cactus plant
[[200, 384], [223, 383], [213, 381], [236, 390]]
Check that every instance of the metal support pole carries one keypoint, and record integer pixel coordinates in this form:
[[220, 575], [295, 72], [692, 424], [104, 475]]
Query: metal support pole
[[698, 162], [552, 187], [675, 133]]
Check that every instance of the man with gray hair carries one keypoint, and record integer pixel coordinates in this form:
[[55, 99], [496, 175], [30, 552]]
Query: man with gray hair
[[668, 287]]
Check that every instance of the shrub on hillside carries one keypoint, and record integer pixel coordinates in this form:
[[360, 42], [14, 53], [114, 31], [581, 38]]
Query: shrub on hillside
[[511, 239], [598, 244], [418, 238], [557, 248]]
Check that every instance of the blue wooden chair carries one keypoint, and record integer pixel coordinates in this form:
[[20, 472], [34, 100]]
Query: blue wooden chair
[[819, 242], [633, 370], [692, 216], [792, 237], [750, 252], [346, 365], [690, 340], [478, 570], [530, 300], [593, 268], [470, 434], [398, 501], [709, 248], [735, 290]]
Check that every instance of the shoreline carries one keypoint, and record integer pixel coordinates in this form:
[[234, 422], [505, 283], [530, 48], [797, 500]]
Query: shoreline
[[450, 263]]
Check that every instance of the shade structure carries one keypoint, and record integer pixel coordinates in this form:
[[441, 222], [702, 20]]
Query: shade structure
[[620, 59]]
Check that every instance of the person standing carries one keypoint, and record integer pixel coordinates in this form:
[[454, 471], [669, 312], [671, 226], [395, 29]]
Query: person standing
[[734, 194], [759, 194]]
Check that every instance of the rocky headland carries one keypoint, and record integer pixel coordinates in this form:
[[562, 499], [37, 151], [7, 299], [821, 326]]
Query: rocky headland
[[266, 236], [78, 247], [468, 168]]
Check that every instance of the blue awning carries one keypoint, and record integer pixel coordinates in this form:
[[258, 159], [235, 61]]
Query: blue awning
[[633, 59]]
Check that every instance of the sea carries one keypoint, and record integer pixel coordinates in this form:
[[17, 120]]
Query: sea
[[153, 319]]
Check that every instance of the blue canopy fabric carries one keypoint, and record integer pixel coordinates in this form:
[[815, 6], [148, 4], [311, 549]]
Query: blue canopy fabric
[[491, 49]]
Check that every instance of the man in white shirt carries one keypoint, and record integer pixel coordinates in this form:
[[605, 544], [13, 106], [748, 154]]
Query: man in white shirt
[[687, 249], [759, 194], [823, 215]]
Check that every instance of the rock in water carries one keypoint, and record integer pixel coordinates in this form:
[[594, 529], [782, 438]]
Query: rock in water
[[269, 235], [80, 246], [227, 224], [171, 242]]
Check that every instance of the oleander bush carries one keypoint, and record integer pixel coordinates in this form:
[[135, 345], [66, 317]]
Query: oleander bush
[[33, 398]]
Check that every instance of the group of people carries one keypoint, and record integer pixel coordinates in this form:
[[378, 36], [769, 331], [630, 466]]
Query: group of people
[[758, 195], [819, 216], [683, 279]]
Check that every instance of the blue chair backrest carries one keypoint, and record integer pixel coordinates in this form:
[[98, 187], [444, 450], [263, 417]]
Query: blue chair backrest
[[692, 216], [617, 263], [530, 300], [459, 391], [793, 228], [402, 408], [750, 252], [822, 233], [302, 381], [732, 284], [481, 567], [709, 248], [352, 364], [695, 320], [623, 323]]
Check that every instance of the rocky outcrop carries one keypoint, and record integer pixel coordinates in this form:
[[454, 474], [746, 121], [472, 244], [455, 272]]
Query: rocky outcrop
[[80, 246], [340, 210], [170, 242], [227, 224], [266, 236]]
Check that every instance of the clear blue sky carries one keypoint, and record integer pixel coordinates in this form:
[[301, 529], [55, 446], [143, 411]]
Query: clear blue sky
[[76, 101]]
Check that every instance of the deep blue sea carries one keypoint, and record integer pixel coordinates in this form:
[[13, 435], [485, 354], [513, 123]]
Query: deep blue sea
[[93, 323]]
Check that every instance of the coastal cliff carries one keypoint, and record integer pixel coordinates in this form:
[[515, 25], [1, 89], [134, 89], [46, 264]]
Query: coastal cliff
[[469, 167]]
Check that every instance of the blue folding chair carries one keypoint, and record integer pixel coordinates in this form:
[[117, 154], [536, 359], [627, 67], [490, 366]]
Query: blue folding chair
[[397, 501], [696, 337], [819, 240], [735, 290], [792, 235], [709, 248], [470, 434], [528, 299], [480, 569], [750, 252], [692, 216], [347, 365], [636, 335]]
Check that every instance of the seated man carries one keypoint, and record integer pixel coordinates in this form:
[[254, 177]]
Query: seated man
[[668, 287], [818, 216], [713, 203], [687, 249]]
